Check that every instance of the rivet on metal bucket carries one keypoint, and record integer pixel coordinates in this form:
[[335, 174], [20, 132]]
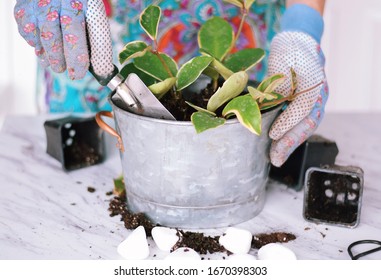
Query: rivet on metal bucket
[[333, 195]]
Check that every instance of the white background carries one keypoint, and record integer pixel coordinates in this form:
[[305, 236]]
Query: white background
[[351, 42], [17, 67]]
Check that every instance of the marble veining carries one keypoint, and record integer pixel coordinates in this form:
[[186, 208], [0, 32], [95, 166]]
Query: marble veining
[[47, 213]]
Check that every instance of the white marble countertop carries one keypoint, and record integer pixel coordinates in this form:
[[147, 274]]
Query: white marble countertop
[[47, 213]]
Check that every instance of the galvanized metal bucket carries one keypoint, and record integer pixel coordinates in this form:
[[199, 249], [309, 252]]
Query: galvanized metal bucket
[[179, 178]]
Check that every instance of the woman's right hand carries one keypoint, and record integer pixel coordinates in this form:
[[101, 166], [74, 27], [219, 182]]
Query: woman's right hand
[[57, 29]]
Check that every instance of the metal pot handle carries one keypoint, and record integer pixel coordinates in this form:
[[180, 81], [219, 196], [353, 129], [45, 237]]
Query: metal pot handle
[[109, 129]]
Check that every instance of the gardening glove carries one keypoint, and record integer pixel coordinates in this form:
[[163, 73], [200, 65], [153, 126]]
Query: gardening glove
[[297, 46], [57, 30]]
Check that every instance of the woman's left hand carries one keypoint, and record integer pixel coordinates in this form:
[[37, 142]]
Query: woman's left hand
[[300, 52]]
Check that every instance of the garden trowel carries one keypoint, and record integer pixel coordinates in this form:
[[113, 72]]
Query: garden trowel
[[132, 93]]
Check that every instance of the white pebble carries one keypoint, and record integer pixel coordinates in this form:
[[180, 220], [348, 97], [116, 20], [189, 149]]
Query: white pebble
[[135, 246], [237, 241], [274, 251], [241, 257], [183, 253], [165, 238]]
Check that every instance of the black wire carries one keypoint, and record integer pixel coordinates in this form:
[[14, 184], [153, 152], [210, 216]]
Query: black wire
[[356, 257]]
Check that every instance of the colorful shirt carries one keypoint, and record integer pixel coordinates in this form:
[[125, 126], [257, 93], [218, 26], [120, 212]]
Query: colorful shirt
[[180, 22]]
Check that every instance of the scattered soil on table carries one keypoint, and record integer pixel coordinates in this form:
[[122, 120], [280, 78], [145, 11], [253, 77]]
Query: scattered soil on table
[[90, 189], [194, 240], [118, 206], [260, 240]]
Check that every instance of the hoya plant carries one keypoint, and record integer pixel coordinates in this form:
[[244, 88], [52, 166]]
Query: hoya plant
[[228, 71]]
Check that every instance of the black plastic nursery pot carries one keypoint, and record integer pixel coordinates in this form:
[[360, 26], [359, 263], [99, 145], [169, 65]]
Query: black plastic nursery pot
[[333, 195], [316, 151], [75, 141]]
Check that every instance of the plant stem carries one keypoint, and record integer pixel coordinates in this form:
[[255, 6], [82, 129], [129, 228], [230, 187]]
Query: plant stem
[[244, 14], [306, 90], [215, 84], [176, 94], [221, 69], [289, 97], [155, 52]]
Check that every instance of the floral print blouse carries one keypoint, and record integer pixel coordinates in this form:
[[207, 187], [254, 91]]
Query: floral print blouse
[[180, 22]]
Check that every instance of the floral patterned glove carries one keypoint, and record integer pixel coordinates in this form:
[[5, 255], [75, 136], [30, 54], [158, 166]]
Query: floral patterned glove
[[297, 47], [57, 31]]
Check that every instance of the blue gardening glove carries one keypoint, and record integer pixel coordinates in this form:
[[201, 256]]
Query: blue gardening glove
[[297, 47], [57, 31]]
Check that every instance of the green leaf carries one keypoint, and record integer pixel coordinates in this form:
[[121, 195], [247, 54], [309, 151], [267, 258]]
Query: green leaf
[[200, 109], [211, 72], [151, 64], [191, 70], [203, 121], [130, 68], [231, 88], [247, 111], [119, 187], [270, 83], [260, 96], [216, 37], [294, 81], [244, 59], [132, 50], [248, 3], [149, 20], [161, 88], [256, 94], [238, 3], [171, 63], [220, 68], [267, 104]]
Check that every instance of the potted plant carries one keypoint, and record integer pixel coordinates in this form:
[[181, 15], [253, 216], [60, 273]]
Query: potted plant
[[208, 168], [216, 39]]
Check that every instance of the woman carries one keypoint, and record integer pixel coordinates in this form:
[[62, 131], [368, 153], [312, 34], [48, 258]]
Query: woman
[[57, 31]]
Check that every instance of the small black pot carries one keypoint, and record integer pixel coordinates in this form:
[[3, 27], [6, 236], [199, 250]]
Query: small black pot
[[333, 195], [75, 142], [317, 151]]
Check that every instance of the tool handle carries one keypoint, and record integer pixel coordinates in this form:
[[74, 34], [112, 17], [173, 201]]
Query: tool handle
[[105, 79], [99, 35]]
